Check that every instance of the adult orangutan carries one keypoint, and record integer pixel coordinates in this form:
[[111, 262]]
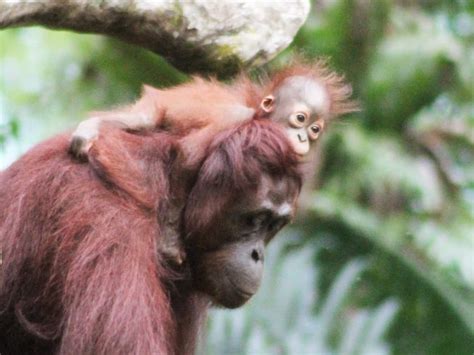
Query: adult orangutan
[[81, 270]]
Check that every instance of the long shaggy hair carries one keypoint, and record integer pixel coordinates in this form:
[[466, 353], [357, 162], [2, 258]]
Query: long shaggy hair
[[81, 273], [235, 162]]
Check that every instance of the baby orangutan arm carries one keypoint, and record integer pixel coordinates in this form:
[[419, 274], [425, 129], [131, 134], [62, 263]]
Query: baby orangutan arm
[[199, 105], [145, 113]]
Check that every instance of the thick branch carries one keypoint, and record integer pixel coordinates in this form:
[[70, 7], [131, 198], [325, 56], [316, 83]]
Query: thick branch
[[195, 35]]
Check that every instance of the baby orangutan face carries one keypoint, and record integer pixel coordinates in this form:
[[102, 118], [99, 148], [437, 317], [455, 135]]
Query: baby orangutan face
[[301, 105]]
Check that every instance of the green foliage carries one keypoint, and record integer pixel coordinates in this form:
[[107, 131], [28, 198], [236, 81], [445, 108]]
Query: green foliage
[[8, 130], [383, 261], [397, 186], [414, 65]]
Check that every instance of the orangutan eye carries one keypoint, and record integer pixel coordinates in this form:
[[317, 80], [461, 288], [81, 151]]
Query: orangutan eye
[[254, 220], [298, 119], [314, 131]]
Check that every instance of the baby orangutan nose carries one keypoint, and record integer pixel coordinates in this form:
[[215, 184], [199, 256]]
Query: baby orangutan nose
[[299, 140], [257, 255]]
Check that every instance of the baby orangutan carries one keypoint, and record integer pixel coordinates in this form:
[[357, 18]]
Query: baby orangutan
[[301, 97]]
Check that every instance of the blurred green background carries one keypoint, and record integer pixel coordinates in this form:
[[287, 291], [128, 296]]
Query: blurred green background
[[382, 260]]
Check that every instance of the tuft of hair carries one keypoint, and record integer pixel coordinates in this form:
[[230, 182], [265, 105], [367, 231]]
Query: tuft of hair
[[249, 90], [235, 162], [339, 90]]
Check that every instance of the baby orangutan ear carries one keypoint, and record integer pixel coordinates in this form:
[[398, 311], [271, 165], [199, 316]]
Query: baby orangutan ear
[[267, 103]]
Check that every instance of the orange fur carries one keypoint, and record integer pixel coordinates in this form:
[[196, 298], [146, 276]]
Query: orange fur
[[201, 108]]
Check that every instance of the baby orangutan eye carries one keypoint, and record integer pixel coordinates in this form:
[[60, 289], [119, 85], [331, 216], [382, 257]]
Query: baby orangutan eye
[[314, 131], [298, 119]]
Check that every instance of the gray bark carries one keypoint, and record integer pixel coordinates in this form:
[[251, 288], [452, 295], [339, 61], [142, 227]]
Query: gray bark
[[218, 36]]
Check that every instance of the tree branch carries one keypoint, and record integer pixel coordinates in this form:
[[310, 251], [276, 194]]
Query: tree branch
[[216, 36]]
